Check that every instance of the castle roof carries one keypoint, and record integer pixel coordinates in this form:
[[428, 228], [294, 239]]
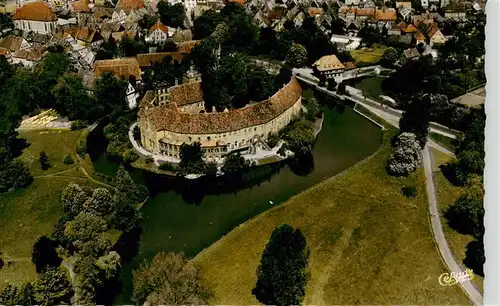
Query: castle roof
[[169, 117], [37, 11]]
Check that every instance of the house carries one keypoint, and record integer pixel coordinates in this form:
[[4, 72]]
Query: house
[[35, 17], [89, 37], [395, 30], [405, 39], [122, 68], [424, 3], [158, 33], [435, 35], [406, 4], [28, 57], [404, 11], [345, 42], [419, 38], [131, 96], [387, 15], [328, 67], [411, 53], [118, 36], [6, 52], [352, 2], [14, 43], [107, 29], [129, 5]]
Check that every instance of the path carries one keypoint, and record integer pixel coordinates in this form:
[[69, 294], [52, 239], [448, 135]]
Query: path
[[437, 229], [72, 275]]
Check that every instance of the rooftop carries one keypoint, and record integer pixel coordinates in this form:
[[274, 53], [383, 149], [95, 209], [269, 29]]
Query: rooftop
[[159, 26], [147, 59], [328, 62], [168, 117], [120, 68], [37, 11]]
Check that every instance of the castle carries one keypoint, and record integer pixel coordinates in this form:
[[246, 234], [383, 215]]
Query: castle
[[170, 117]]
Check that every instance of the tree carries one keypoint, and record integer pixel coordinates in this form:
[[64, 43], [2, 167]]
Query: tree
[[205, 24], [168, 279], [53, 288], [282, 274], [466, 215], [191, 159], [109, 96], [100, 202], [406, 156], [72, 199], [126, 216], [172, 15], [71, 98], [234, 163], [14, 175], [300, 138], [389, 57], [85, 227], [9, 295], [44, 161], [129, 47], [297, 56], [416, 118], [109, 264], [44, 254]]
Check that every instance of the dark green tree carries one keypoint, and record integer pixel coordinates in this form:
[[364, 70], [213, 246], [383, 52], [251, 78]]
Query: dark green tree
[[53, 287], [71, 99], [44, 254], [109, 96], [205, 24], [9, 295], [466, 215], [300, 137], [234, 163], [44, 160], [416, 118], [282, 274], [297, 56], [172, 15], [191, 159]]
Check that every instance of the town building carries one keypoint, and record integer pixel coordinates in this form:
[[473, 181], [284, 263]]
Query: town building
[[35, 17], [158, 33], [171, 117], [329, 67], [121, 68]]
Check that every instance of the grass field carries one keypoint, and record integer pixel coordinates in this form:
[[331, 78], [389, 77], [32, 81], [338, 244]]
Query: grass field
[[449, 143], [27, 214], [368, 55], [371, 87], [369, 244], [56, 143], [447, 194]]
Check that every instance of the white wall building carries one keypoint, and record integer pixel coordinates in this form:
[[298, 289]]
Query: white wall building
[[35, 17], [159, 33]]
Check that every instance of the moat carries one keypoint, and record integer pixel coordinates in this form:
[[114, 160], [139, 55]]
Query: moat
[[188, 216]]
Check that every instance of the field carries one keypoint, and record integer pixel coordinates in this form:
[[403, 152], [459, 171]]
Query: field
[[371, 87], [446, 142], [368, 55], [369, 244], [27, 214], [447, 194]]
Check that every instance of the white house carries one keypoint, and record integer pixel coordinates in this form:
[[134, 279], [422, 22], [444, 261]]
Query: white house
[[35, 17], [159, 33], [131, 96]]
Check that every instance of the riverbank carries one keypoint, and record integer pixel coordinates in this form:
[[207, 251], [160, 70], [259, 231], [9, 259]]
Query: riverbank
[[369, 244]]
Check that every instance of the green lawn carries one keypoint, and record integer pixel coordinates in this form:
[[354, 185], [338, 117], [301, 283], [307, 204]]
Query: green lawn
[[369, 244], [371, 87], [368, 55], [57, 143], [449, 143], [447, 194], [27, 214]]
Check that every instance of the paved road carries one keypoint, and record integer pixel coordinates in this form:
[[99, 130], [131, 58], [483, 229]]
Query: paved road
[[437, 229]]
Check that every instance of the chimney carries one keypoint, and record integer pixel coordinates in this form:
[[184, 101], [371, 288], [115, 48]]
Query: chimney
[[176, 82], [214, 110]]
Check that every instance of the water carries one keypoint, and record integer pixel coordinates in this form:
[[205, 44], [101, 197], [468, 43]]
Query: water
[[188, 216]]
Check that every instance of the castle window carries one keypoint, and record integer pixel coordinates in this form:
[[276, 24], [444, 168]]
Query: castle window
[[208, 138], [199, 138], [254, 129], [190, 138]]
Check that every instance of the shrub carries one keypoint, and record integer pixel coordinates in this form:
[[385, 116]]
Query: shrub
[[167, 166], [78, 125], [81, 147], [129, 156], [149, 160], [272, 140], [44, 161], [409, 191], [68, 160]]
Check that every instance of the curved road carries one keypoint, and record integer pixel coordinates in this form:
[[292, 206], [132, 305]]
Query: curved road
[[437, 229]]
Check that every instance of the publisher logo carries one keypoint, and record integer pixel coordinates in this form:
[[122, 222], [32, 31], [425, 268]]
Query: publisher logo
[[453, 278]]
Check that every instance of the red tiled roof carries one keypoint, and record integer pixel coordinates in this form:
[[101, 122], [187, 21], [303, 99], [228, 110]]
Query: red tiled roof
[[130, 4], [313, 11], [366, 11], [5, 52], [81, 6], [123, 67], [349, 65], [147, 59], [168, 117], [186, 93], [37, 11], [386, 14], [160, 26], [187, 46]]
